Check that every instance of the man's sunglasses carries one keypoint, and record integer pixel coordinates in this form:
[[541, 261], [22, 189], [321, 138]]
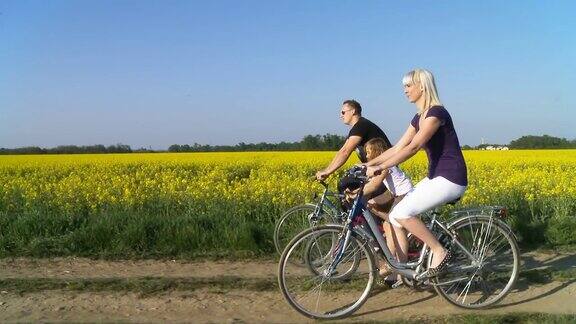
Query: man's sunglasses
[[342, 112]]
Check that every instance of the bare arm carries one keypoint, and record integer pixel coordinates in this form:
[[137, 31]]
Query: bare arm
[[340, 158], [374, 184], [404, 140], [429, 126]]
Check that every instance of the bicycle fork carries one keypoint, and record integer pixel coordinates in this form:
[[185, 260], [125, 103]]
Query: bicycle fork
[[339, 251]]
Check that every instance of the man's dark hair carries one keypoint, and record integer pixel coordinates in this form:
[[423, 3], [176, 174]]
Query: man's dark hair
[[354, 105]]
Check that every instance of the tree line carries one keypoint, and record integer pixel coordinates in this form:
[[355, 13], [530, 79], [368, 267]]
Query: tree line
[[328, 142], [542, 142], [69, 149]]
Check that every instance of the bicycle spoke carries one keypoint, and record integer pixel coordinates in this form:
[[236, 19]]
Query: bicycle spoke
[[297, 219], [318, 298], [501, 246], [486, 292], [455, 285], [478, 242], [485, 287], [488, 235], [494, 271], [350, 255], [488, 249], [312, 289], [317, 246], [465, 291]]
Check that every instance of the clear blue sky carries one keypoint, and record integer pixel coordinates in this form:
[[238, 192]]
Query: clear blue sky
[[155, 73]]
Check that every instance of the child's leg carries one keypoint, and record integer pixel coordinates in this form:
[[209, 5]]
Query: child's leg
[[390, 240], [380, 207], [399, 240]]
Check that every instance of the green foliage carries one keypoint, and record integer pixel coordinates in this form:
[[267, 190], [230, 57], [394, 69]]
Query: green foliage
[[218, 231], [328, 142], [69, 149], [542, 142], [171, 209], [561, 230]]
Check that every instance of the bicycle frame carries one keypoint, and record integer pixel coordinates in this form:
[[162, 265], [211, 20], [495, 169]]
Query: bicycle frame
[[324, 200], [410, 269]]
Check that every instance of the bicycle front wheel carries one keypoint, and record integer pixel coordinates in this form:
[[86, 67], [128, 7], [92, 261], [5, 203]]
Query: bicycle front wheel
[[317, 290], [297, 219], [486, 280], [316, 261]]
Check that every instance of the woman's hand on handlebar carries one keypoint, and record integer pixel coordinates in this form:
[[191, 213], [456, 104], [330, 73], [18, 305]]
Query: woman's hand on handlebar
[[372, 171]]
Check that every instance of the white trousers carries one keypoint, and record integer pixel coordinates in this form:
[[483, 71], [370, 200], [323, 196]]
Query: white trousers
[[426, 195]]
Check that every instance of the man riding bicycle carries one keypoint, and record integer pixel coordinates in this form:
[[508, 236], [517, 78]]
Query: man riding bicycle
[[362, 130]]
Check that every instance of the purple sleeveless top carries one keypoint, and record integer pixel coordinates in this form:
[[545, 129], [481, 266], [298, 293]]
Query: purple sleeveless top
[[445, 157]]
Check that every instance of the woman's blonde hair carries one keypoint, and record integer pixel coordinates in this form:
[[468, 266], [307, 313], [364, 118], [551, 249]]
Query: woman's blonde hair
[[425, 79]]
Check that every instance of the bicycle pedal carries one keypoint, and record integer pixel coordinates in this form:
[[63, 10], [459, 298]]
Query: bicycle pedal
[[327, 273], [397, 284], [387, 283]]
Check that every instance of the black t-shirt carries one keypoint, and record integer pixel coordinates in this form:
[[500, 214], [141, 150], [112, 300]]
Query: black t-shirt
[[367, 130]]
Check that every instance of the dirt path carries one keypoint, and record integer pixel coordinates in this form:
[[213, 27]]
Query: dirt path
[[235, 305]]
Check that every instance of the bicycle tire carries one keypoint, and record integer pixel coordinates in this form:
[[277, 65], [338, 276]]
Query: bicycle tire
[[298, 284], [489, 240], [312, 260], [297, 219]]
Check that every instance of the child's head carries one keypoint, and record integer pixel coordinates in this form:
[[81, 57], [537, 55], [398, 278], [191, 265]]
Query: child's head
[[375, 147]]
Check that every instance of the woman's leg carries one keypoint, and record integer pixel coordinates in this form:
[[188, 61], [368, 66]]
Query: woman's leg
[[415, 226], [426, 195]]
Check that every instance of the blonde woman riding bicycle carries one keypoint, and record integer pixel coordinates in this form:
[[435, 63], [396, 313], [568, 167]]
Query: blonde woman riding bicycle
[[431, 129]]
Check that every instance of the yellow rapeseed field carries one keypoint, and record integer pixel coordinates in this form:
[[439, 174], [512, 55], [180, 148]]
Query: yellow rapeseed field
[[198, 204], [68, 183]]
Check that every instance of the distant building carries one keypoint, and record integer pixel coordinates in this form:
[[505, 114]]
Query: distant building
[[494, 148]]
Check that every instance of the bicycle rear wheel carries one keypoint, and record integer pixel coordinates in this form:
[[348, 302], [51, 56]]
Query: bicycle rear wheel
[[316, 292], [297, 219], [479, 284]]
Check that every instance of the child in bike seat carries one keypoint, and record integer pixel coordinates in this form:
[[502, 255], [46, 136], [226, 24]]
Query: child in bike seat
[[398, 185]]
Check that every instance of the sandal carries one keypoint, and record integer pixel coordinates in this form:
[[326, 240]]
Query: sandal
[[433, 272], [397, 284]]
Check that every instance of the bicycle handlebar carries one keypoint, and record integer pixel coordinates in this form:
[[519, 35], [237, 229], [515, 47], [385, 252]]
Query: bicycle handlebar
[[357, 171]]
